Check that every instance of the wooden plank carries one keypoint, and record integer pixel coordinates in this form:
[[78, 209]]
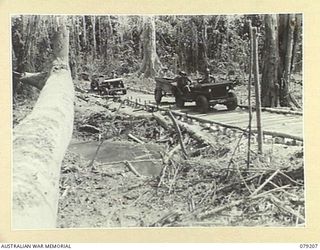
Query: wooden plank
[[284, 124]]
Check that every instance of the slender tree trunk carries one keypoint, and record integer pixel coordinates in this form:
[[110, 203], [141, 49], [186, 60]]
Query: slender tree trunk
[[17, 54], [104, 40], [181, 50], [195, 48], [257, 88], [249, 94], [25, 57], [73, 50], [110, 36], [269, 84], [213, 50], [100, 36], [94, 49], [288, 60], [39, 145], [297, 33], [227, 35], [204, 42], [84, 32], [77, 40], [286, 29], [151, 63], [33, 43]]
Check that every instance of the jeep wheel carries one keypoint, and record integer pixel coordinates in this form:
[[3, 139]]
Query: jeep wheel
[[233, 104], [93, 86], [202, 104], [158, 96], [104, 91], [179, 101]]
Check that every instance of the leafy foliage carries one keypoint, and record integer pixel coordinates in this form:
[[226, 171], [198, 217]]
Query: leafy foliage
[[102, 44]]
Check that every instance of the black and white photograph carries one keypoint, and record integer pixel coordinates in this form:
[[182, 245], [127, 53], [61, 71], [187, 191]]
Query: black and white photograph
[[143, 121]]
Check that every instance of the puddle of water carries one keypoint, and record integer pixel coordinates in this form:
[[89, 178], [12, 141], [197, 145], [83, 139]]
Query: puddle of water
[[112, 151]]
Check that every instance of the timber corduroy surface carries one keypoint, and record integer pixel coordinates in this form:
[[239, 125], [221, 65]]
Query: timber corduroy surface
[[282, 123]]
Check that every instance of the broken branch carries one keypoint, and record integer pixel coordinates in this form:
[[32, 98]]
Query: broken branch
[[37, 80], [185, 155], [133, 170], [135, 139], [265, 183]]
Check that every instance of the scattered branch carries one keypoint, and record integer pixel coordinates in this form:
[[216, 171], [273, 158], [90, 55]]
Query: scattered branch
[[133, 170], [265, 183], [135, 139], [179, 134]]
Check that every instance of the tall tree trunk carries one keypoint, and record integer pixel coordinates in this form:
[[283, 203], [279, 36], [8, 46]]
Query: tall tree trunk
[[17, 45], [213, 49], [205, 41], [227, 35], [94, 49], [297, 40], [151, 63], [283, 36], [77, 40], [287, 25], [181, 65], [39, 145], [288, 60], [74, 47], [111, 40], [84, 33], [269, 83], [194, 48], [100, 36], [17, 52], [24, 58]]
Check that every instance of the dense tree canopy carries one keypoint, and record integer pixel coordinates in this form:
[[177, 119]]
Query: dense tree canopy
[[106, 43]]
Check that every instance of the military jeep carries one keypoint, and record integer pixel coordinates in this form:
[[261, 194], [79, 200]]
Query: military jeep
[[107, 86], [205, 95]]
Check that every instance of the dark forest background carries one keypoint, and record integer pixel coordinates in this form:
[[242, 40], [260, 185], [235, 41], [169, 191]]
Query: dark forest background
[[103, 44]]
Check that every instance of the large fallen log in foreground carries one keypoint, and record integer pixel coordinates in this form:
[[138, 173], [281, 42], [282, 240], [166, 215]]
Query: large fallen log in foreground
[[39, 145]]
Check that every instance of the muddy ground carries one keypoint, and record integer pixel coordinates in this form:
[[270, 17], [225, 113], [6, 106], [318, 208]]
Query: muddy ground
[[145, 181]]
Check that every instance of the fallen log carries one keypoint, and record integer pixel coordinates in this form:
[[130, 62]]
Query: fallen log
[[39, 145], [37, 80], [161, 120], [195, 133]]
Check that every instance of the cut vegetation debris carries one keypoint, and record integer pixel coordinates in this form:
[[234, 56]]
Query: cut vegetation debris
[[141, 175]]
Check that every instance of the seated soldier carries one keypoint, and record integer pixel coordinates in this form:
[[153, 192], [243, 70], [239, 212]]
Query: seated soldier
[[183, 81], [207, 77], [113, 75]]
